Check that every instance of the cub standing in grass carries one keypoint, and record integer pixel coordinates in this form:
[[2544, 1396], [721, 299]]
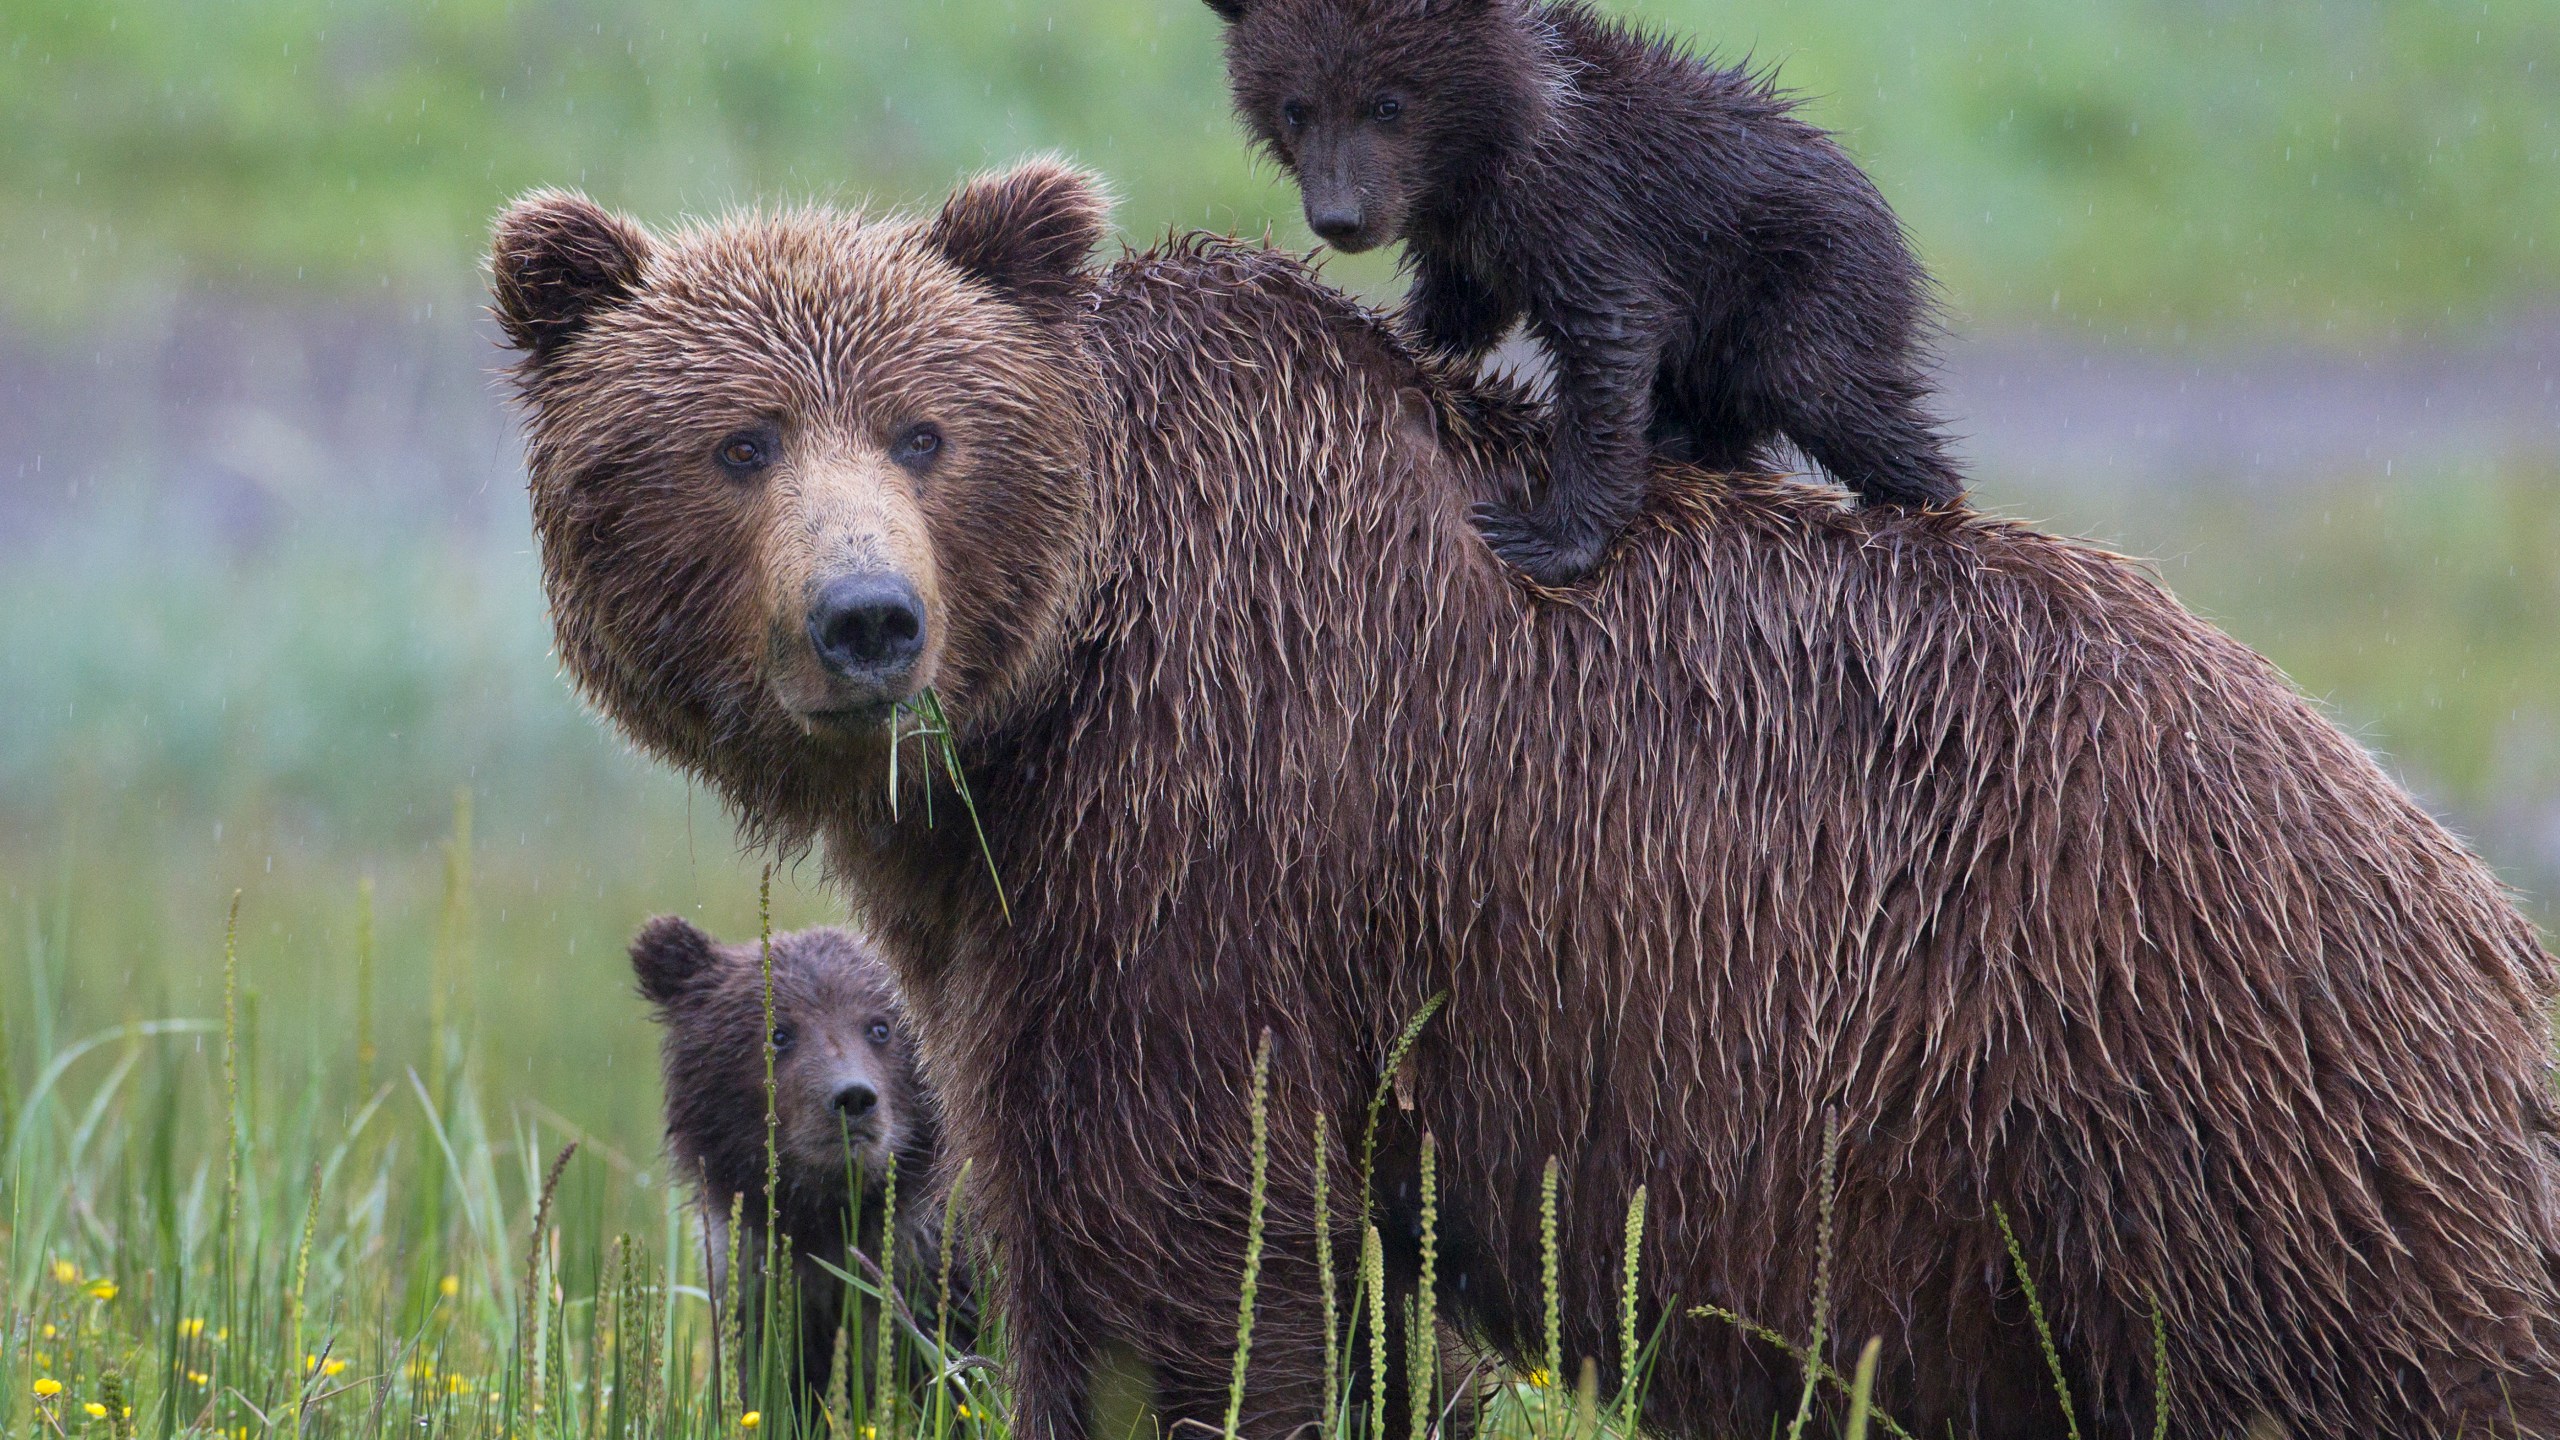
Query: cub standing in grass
[[848, 1095], [1708, 271]]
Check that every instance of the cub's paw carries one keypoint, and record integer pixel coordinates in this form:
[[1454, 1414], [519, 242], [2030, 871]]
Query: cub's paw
[[1535, 546]]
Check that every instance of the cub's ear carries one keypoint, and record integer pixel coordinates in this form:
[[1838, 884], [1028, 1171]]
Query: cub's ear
[[672, 958], [1026, 232], [1230, 11], [557, 261]]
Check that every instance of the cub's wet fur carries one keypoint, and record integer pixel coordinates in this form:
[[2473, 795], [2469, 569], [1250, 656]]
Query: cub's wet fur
[[1709, 271], [848, 1097]]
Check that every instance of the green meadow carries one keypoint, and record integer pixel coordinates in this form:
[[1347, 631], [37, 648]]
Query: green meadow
[[271, 633]]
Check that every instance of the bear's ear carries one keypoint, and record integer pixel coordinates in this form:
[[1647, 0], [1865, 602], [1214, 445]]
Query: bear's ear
[[671, 958], [1026, 232], [557, 260], [1230, 11]]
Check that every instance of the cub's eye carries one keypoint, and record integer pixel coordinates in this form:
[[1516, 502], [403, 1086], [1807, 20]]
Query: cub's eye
[[879, 1032], [1387, 107], [917, 446], [745, 453], [1294, 115], [782, 1038]]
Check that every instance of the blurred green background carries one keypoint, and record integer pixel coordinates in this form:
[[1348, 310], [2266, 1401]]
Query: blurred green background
[[2267, 289]]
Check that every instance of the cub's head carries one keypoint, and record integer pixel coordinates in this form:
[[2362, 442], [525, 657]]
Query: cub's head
[[1380, 107], [792, 471], [846, 1087]]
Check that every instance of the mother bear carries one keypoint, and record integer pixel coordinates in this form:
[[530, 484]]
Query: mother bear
[[1963, 837]]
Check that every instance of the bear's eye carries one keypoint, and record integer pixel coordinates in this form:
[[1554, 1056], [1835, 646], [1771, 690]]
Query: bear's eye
[[745, 453], [1294, 115], [917, 446], [1387, 107], [879, 1032], [782, 1038]]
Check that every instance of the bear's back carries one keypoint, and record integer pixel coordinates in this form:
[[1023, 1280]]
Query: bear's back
[[1945, 745]]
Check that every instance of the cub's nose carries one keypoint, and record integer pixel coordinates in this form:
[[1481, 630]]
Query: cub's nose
[[855, 1101], [1335, 224], [868, 627]]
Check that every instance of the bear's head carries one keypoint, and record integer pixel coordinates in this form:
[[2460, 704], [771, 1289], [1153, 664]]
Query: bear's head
[[847, 1091], [790, 472], [1378, 107]]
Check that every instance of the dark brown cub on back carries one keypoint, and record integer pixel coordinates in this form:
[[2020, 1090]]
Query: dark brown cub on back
[[1708, 271], [847, 1095]]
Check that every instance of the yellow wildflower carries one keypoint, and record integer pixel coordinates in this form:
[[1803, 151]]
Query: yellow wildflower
[[751, 1420], [331, 1367], [64, 1272], [221, 1335], [102, 1289], [198, 1377], [47, 1388], [455, 1384], [48, 1332], [1541, 1378], [449, 1286], [96, 1410], [870, 1432], [964, 1412], [189, 1329]]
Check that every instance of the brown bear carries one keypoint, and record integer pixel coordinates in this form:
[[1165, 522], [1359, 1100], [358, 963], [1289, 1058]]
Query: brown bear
[[848, 1097], [1961, 837]]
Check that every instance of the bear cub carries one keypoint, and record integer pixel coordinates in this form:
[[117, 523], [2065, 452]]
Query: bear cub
[[848, 1096], [1708, 271]]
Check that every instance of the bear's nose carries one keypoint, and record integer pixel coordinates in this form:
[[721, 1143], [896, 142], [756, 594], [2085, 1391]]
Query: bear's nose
[[856, 1100], [868, 627], [1334, 223]]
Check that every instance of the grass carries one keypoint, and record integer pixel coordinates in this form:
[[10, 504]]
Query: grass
[[200, 1236]]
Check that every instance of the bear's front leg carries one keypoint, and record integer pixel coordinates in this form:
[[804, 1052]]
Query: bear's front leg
[[1599, 464], [1050, 1351], [1450, 313]]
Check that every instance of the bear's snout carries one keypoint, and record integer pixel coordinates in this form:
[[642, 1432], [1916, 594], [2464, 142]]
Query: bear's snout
[[1338, 223], [855, 1101], [868, 630]]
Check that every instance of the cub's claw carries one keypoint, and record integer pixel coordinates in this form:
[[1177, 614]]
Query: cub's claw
[[1535, 546]]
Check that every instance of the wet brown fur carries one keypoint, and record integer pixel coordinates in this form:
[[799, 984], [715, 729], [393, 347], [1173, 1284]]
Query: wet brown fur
[[831, 988], [2056, 897]]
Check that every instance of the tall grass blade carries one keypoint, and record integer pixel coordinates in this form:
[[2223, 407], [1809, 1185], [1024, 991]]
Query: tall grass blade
[[2159, 1373], [884, 1384], [1260, 1121], [1824, 1200], [1330, 1396], [766, 1296], [1396, 1053], [2035, 1312], [1797, 1353], [1548, 1277], [1862, 1390], [1629, 1350], [1422, 1351], [1373, 1276]]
